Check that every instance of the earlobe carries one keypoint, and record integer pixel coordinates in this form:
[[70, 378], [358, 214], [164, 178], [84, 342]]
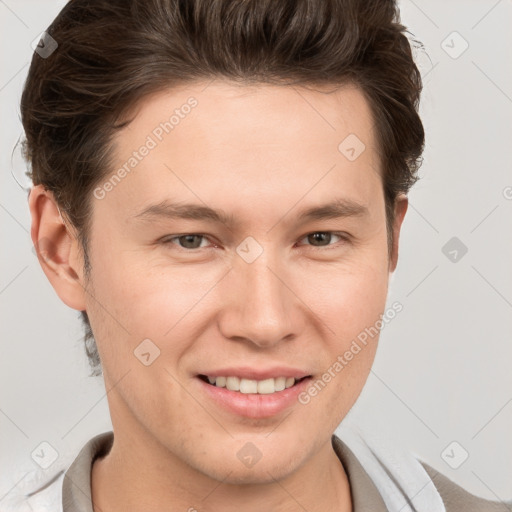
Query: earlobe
[[401, 205], [57, 248]]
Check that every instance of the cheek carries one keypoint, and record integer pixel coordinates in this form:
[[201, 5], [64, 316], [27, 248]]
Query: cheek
[[350, 302], [349, 297], [134, 299]]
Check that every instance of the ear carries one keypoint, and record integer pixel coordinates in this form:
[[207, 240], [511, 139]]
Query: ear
[[401, 204], [57, 248]]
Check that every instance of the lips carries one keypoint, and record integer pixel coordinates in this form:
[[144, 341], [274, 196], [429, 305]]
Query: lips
[[253, 392], [251, 403]]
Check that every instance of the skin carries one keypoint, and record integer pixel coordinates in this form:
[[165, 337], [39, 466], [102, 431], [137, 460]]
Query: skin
[[262, 154]]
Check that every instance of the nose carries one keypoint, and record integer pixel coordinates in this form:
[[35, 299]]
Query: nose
[[262, 308]]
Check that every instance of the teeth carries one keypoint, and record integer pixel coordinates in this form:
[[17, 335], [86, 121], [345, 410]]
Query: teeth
[[248, 386], [267, 386], [280, 383], [233, 383], [262, 387], [290, 381]]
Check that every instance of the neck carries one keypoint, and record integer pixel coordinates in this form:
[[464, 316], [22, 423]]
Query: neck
[[145, 476]]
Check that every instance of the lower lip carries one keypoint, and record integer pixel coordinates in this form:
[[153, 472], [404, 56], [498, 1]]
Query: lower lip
[[252, 405]]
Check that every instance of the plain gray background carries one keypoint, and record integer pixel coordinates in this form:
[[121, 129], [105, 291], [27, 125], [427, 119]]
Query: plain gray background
[[443, 367]]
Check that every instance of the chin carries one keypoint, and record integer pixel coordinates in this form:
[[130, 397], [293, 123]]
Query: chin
[[259, 474], [242, 469]]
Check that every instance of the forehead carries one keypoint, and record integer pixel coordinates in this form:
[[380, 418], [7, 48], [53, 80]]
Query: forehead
[[209, 139], [222, 107]]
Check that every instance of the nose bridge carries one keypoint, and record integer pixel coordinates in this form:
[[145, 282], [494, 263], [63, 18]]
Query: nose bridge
[[261, 306]]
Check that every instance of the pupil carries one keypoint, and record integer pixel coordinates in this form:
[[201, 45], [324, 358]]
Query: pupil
[[188, 240], [320, 235]]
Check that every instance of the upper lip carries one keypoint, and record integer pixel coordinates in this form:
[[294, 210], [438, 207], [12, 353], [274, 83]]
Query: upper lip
[[246, 372]]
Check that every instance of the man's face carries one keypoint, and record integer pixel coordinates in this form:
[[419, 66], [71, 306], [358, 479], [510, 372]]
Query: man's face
[[254, 294]]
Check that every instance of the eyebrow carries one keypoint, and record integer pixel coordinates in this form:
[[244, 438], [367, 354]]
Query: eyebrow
[[338, 208]]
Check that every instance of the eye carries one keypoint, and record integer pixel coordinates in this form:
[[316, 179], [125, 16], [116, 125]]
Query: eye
[[188, 241], [322, 238], [192, 241]]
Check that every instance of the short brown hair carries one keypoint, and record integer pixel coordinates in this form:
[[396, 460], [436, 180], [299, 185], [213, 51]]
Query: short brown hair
[[113, 53]]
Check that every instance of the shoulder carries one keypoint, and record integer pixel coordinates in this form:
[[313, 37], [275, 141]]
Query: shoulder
[[457, 499], [399, 475], [36, 490], [43, 490]]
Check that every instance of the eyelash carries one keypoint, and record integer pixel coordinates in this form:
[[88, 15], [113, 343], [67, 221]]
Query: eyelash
[[168, 241]]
